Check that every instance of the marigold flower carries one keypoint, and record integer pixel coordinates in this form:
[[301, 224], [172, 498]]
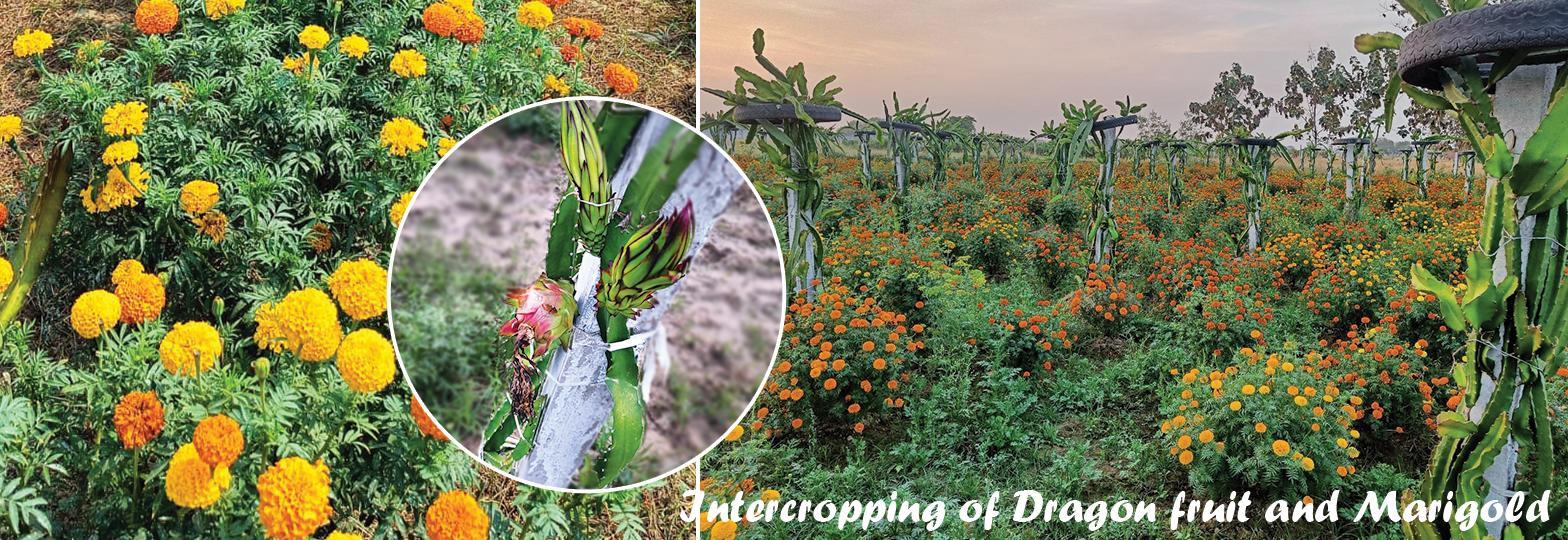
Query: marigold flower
[[304, 323], [218, 9], [138, 418], [191, 483], [441, 19], [444, 145], [141, 298], [470, 28], [31, 43], [297, 64], [569, 53], [354, 46], [6, 272], [535, 14], [402, 136], [126, 269], [218, 440], [293, 498], [314, 37], [1281, 447], [190, 348], [581, 28], [553, 86], [723, 530], [360, 287], [124, 187], [94, 312], [10, 128], [456, 516], [408, 63], [399, 208], [126, 119], [198, 196], [620, 78], [340, 535], [365, 360], [214, 225], [155, 17], [422, 420], [120, 153]]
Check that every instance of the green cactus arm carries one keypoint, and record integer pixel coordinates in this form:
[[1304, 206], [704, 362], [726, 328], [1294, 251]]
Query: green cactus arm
[[38, 227]]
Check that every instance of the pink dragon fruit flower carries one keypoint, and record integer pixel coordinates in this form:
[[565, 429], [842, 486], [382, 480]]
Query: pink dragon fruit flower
[[542, 322]]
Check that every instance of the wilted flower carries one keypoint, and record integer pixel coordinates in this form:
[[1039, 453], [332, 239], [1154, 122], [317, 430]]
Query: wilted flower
[[293, 498], [126, 118], [535, 14], [213, 224], [155, 17], [314, 37], [94, 312], [365, 361], [354, 46], [542, 321], [138, 418], [190, 348], [320, 237], [408, 63], [31, 43], [401, 136], [620, 78], [455, 515], [652, 259], [198, 196], [120, 153]]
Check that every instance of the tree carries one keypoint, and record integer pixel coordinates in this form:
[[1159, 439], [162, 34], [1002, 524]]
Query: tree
[[1365, 89], [1154, 126], [1311, 96], [1235, 105]]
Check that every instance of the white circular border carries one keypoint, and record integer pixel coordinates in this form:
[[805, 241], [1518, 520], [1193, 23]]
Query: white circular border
[[777, 342]]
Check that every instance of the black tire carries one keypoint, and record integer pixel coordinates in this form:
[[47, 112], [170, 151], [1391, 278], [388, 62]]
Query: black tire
[[779, 113], [901, 126], [1117, 122], [1350, 140], [1532, 25], [1248, 141]]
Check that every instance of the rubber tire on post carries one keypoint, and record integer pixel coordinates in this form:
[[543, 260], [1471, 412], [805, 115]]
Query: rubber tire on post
[[901, 126], [1245, 141], [752, 113], [1523, 24], [1350, 140], [1117, 122]]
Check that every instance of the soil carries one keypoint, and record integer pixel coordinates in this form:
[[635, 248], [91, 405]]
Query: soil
[[493, 199]]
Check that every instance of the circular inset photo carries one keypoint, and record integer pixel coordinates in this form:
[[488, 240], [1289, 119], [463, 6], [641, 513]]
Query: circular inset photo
[[586, 294]]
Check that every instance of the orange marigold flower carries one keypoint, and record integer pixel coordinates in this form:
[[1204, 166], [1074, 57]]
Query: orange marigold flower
[[581, 28], [155, 17], [470, 28], [141, 298], [293, 498], [441, 19], [422, 420], [138, 418], [1281, 447], [218, 440], [456, 516], [569, 53]]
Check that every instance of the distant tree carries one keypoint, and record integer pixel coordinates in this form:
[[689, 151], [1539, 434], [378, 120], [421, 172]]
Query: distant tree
[[1311, 96], [1365, 90], [1236, 105], [1154, 126]]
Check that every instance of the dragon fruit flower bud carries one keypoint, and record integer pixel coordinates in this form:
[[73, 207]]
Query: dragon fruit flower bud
[[653, 259]]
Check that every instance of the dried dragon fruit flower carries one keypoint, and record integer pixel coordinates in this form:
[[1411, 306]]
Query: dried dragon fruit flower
[[542, 322], [653, 259]]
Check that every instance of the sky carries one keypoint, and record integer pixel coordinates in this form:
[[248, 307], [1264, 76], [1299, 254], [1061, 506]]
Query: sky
[[1010, 64]]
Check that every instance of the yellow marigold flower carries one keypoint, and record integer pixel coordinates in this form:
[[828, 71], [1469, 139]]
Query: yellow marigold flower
[[444, 145], [141, 298], [535, 14], [365, 361], [354, 46], [402, 136], [126, 268], [456, 516], [218, 9], [218, 440], [1281, 447], [422, 419], [735, 434], [198, 196], [314, 37], [6, 272], [214, 225], [297, 64], [1307, 464], [554, 86], [304, 323], [1185, 458], [620, 78], [126, 118], [399, 208], [124, 187], [191, 483], [408, 63], [723, 530], [120, 153], [190, 348], [293, 498], [94, 312], [138, 418], [340, 535], [155, 17], [31, 43], [10, 128], [360, 287]]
